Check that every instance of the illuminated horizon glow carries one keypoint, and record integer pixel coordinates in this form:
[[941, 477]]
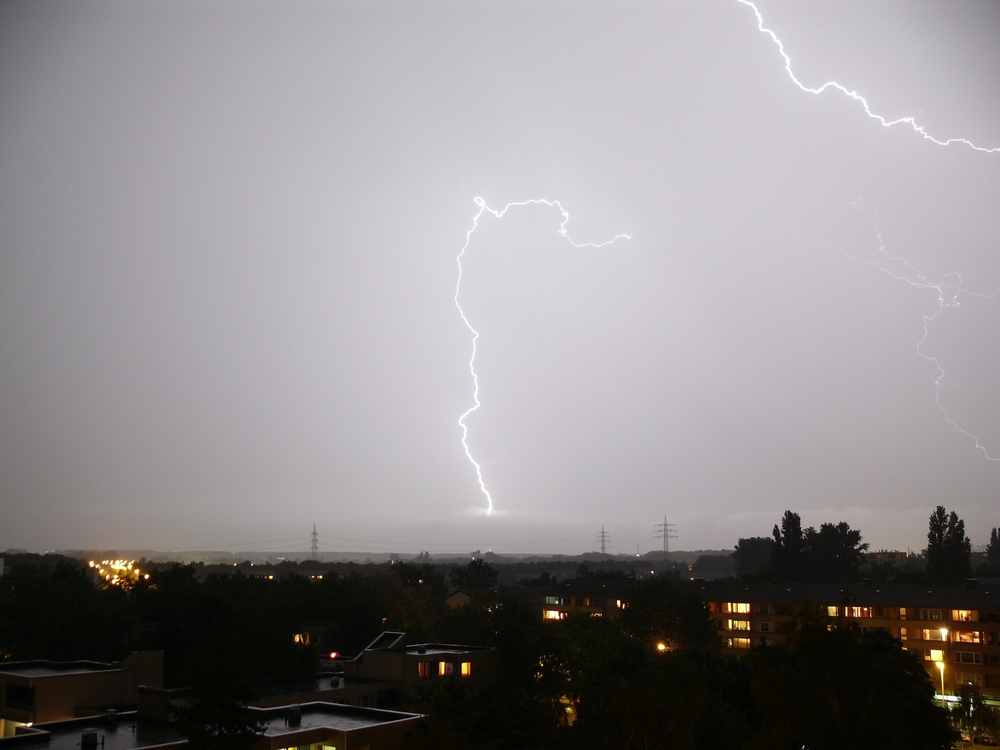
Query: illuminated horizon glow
[[483, 208], [950, 286], [911, 121]]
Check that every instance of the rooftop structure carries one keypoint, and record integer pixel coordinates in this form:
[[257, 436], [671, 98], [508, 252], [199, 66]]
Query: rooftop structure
[[44, 691], [389, 657], [288, 726]]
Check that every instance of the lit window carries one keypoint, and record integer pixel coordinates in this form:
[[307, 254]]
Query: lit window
[[424, 669], [553, 614], [738, 625], [831, 611], [466, 668], [301, 638], [934, 634], [934, 654], [736, 608], [968, 636], [858, 612], [962, 615], [445, 667], [902, 634], [739, 643]]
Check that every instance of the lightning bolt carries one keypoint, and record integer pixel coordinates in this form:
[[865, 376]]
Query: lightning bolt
[[947, 291], [854, 94], [483, 208], [950, 287]]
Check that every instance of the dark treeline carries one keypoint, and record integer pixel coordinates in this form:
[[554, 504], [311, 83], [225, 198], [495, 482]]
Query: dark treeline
[[836, 553], [653, 678]]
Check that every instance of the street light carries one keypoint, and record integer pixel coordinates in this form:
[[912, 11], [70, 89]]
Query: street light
[[940, 665]]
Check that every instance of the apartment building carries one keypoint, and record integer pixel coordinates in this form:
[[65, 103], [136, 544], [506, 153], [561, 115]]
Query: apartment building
[[954, 629], [389, 658], [598, 597]]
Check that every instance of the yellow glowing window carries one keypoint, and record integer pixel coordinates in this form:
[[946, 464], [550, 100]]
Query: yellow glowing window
[[445, 667], [466, 668], [736, 608], [831, 611], [424, 669], [902, 634], [968, 636], [934, 654], [739, 625], [934, 634], [739, 643], [553, 614], [963, 615]]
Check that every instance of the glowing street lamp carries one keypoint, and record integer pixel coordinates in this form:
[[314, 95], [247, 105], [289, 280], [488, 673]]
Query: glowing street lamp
[[940, 665]]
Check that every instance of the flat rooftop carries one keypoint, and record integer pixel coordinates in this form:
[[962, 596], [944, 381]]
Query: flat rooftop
[[50, 668], [131, 733], [442, 648], [332, 716]]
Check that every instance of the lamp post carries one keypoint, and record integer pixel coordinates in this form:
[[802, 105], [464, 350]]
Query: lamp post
[[940, 665]]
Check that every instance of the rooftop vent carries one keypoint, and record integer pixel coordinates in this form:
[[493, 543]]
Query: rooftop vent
[[293, 716]]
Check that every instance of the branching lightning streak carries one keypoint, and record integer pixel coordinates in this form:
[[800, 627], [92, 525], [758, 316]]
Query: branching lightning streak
[[854, 94], [950, 286], [483, 208], [948, 291]]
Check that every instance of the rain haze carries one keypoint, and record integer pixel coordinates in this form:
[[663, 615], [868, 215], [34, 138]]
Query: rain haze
[[229, 240]]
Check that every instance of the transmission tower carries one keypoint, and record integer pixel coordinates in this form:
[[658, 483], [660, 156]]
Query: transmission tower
[[665, 531], [604, 539], [314, 547]]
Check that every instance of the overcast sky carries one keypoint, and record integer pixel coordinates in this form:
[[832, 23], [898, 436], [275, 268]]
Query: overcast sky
[[228, 258]]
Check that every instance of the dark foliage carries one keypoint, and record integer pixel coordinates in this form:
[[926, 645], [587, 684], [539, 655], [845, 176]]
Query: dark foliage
[[753, 556], [949, 551], [478, 575], [835, 552], [838, 689]]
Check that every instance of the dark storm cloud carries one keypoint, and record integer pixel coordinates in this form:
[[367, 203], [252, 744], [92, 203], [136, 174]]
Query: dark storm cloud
[[229, 256]]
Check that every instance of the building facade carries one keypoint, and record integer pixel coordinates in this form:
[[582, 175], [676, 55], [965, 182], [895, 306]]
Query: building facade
[[954, 629]]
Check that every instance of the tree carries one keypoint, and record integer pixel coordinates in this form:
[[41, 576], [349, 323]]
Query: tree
[[478, 575], [837, 688], [949, 551], [788, 552], [753, 556], [834, 553], [972, 716], [993, 551], [661, 611], [217, 719]]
